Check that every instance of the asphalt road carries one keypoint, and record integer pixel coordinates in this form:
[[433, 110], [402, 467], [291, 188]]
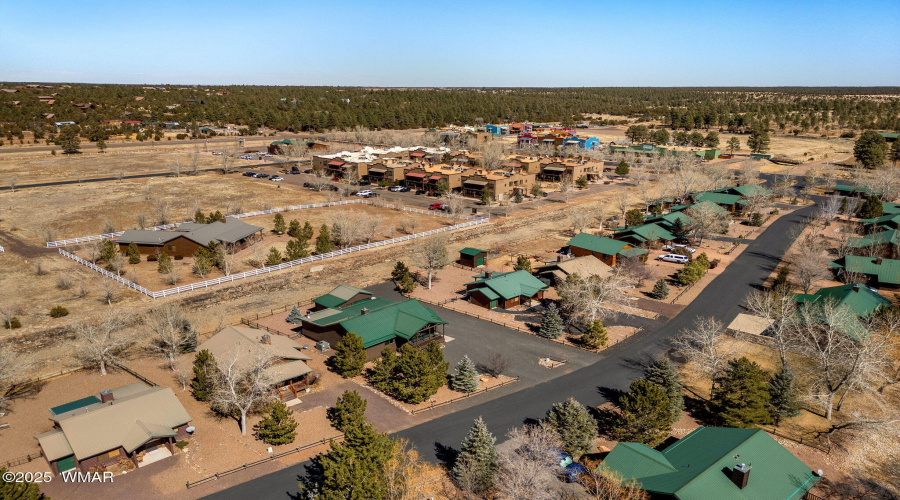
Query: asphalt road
[[622, 364]]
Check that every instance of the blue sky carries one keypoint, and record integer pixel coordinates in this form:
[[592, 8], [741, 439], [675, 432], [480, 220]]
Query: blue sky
[[458, 43]]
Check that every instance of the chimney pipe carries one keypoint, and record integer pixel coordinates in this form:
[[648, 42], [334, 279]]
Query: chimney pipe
[[878, 261], [740, 474], [222, 220], [487, 274], [856, 288], [106, 396], [364, 310]]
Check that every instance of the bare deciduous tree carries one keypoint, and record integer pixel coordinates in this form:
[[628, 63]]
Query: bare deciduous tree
[[104, 342], [623, 202], [749, 172], [602, 483], [243, 382], [163, 207], [455, 208], [409, 223], [579, 218], [706, 344], [565, 187], [434, 254], [778, 309], [809, 260], [843, 354], [529, 463], [140, 220], [109, 290], [175, 167], [194, 162], [370, 226], [13, 183], [13, 370], [829, 209], [172, 332], [585, 300], [707, 218]]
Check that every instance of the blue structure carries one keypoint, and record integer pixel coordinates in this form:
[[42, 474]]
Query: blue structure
[[587, 143], [497, 129]]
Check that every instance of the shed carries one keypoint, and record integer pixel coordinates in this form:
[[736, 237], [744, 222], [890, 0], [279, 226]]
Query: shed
[[472, 257]]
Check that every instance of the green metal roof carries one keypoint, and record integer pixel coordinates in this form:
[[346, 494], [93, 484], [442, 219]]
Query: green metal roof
[[74, 405], [746, 190], [718, 198], [678, 208], [472, 252], [888, 221], [846, 188], [647, 232], [889, 237], [399, 319], [670, 218], [891, 208], [632, 252], [885, 271], [331, 316], [889, 135], [857, 297], [511, 285], [696, 467], [340, 295], [599, 244], [487, 292]]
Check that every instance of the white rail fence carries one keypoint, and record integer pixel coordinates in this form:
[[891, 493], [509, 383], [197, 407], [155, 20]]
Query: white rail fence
[[267, 269], [95, 237]]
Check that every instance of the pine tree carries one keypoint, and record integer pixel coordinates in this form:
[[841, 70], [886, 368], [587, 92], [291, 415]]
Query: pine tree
[[871, 208], [350, 356], [203, 383], [199, 217], [203, 262], [419, 373], [164, 263], [382, 375], [784, 397], [740, 395], [353, 469], [307, 232], [279, 226], [278, 426], [407, 284], [349, 411], [644, 414], [622, 168], [477, 463], [295, 317], [845, 206], [662, 373], [274, 257], [522, 264], [634, 217], [575, 426], [595, 335], [466, 377], [19, 491], [323, 241], [400, 270], [294, 229], [134, 255], [679, 230], [296, 250], [551, 323], [660, 289], [108, 250]]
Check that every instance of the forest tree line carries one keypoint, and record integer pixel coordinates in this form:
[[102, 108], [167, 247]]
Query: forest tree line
[[299, 109]]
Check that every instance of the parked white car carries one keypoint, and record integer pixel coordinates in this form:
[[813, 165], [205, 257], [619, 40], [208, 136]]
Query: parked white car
[[276, 178], [673, 257], [365, 193], [673, 247]]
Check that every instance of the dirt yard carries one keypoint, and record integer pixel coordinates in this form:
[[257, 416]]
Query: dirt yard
[[389, 221], [216, 445]]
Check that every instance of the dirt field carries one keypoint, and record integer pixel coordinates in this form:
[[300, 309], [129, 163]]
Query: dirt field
[[146, 272]]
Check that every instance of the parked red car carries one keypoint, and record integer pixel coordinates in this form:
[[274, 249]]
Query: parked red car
[[437, 206]]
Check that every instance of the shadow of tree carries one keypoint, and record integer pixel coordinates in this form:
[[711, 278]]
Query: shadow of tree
[[700, 410], [446, 455]]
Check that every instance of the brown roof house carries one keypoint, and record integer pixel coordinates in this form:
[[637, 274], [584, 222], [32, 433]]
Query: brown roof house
[[584, 266], [287, 370], [185, 239], [135, 423]]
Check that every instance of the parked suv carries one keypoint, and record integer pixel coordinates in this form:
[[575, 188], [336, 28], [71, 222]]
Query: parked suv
[[672, 257], [671, 248]]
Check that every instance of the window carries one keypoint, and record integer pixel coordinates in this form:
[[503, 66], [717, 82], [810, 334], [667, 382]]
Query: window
[[171, 248], [108, 454]]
